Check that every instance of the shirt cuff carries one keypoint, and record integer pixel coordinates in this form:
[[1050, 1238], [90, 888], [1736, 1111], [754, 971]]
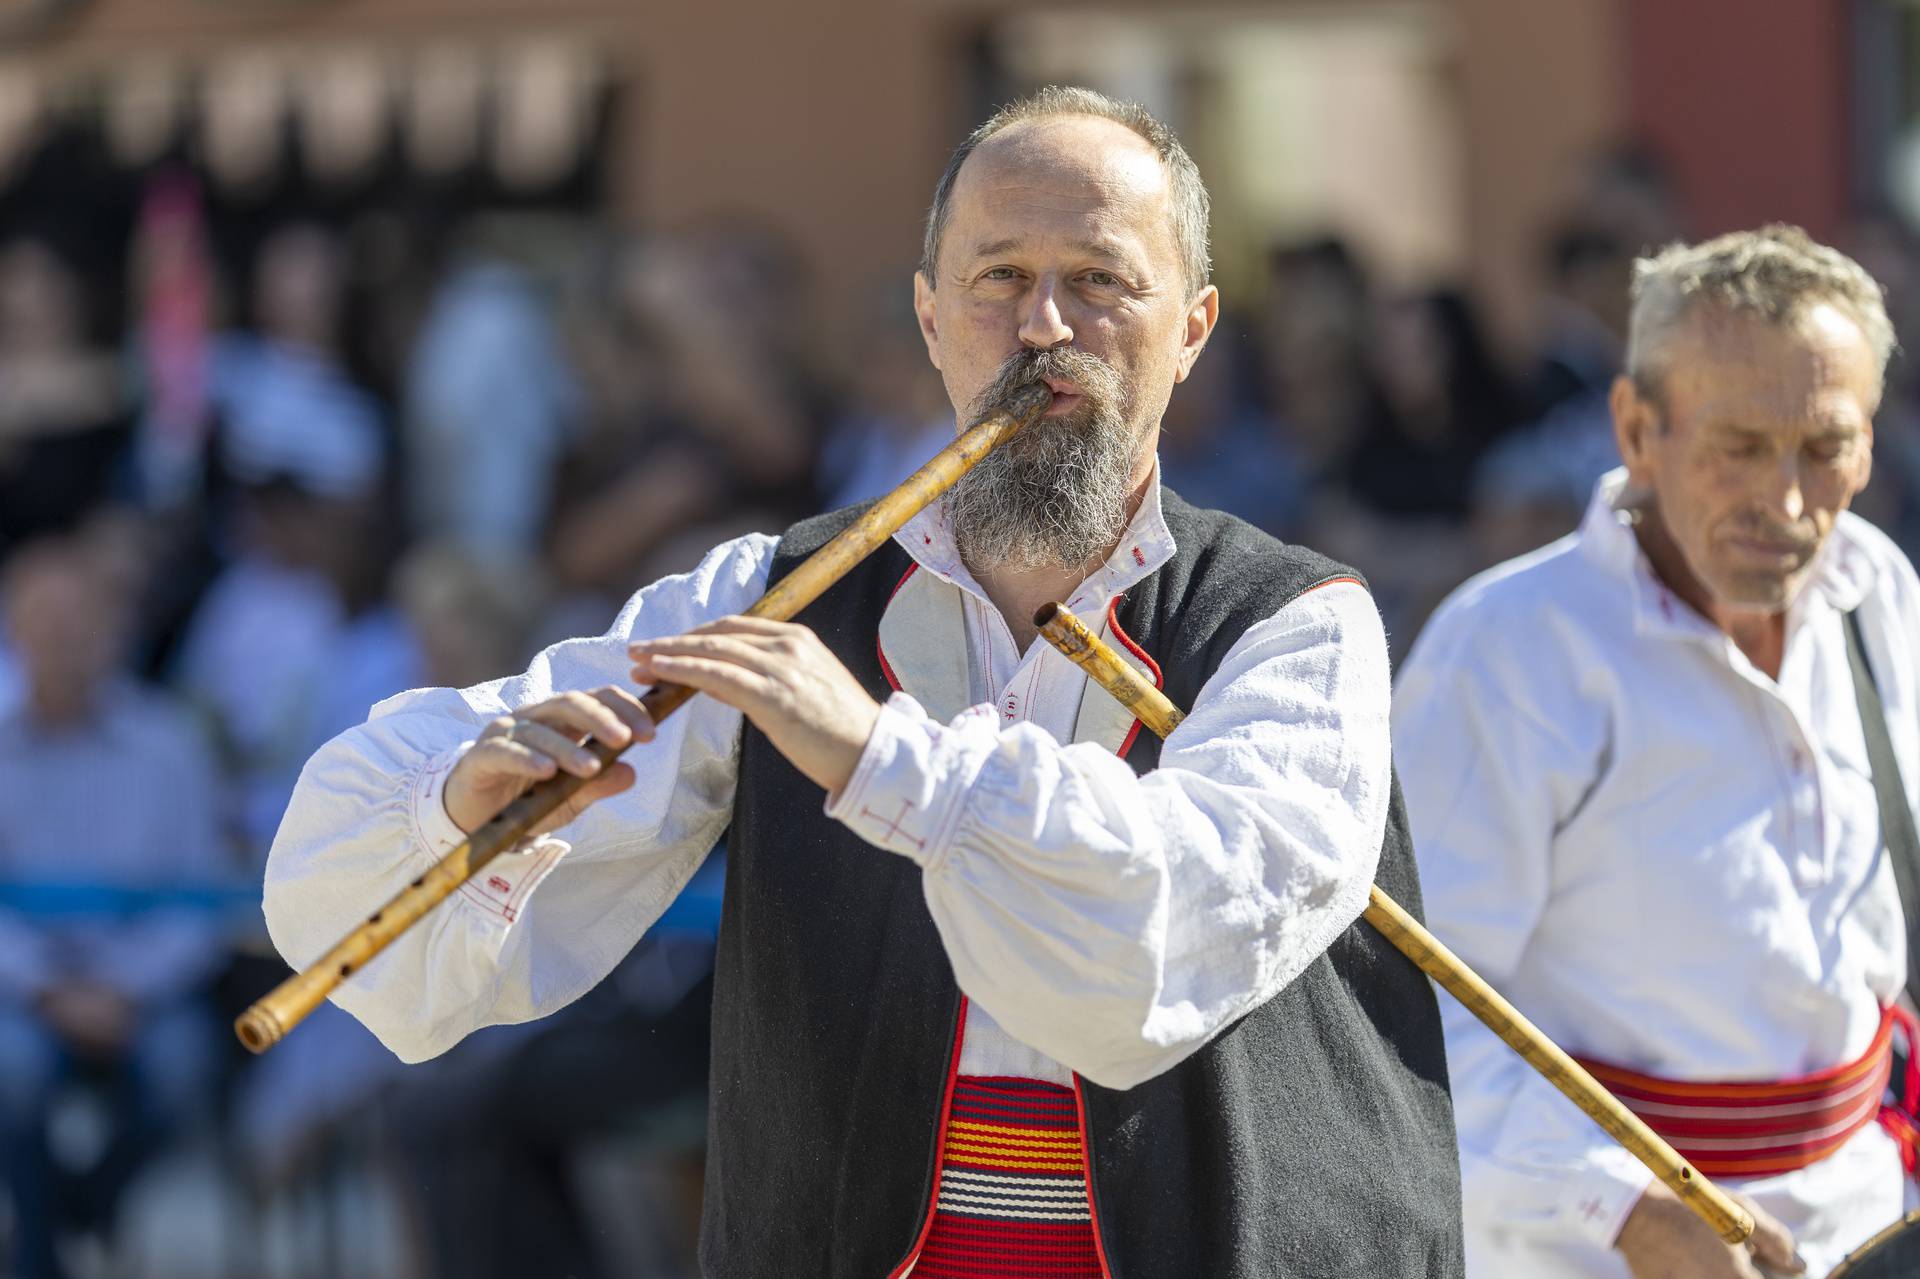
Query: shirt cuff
[[907, 791], [501, 890], [1600, 1197], [438, 833]]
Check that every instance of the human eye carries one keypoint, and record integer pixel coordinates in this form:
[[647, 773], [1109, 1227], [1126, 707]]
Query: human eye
[[1101, 279], [999, 274]]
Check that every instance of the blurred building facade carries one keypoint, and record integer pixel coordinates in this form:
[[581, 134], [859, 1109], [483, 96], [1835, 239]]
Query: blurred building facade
[[1444, 125]]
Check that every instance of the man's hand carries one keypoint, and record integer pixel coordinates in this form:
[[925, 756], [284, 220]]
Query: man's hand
[[538, 741], [1665, 1239], [95, 1021], [780, 676]]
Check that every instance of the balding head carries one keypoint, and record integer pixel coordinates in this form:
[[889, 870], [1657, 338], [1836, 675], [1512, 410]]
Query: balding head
[[1062, 114]]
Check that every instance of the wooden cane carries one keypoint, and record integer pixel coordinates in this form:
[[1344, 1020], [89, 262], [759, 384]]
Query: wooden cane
[[1150, 706], [268, 1021]]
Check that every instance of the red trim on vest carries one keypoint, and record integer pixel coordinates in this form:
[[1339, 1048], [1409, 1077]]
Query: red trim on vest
[[940, 1133], [1159, 681], [886, 667], [1086, 1154], [1766, 1127]]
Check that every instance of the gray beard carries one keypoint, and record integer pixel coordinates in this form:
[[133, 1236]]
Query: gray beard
[[1056, 494]]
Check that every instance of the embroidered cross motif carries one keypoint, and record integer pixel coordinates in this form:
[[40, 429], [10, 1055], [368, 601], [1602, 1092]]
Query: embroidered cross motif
[[499, 885], [893, 827], [1590, 1209]]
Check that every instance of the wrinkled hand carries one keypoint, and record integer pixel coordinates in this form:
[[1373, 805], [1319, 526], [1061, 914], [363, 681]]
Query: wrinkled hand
[[780, 676], [95, 1021], [538, 741], [1665, 1239]]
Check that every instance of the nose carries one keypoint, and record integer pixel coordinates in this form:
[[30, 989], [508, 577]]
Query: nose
[[1786, 497], [1044, 326]]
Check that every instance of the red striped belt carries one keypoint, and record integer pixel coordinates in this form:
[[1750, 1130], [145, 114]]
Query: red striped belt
[[1759, 1129], [1013, 1186]]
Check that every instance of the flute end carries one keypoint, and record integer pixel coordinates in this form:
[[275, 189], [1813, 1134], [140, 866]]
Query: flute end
[[258, 1029], [1045, 613]]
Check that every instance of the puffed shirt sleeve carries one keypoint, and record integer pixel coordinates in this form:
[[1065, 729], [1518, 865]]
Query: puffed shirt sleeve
[[1117, 922], [1489, 779], [367, 817]]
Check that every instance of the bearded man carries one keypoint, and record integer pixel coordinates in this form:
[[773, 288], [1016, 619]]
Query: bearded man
[[1030, 993]]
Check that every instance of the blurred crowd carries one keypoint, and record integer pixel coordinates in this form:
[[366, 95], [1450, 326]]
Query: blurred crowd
[[256, 477]]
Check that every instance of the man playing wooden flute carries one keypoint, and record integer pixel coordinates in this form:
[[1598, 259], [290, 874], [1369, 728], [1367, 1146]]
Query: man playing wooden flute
[[1640, 769], [1004, 987]]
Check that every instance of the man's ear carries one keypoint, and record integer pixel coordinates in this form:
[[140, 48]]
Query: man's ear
[[1636, 420], [923, 311], [1202, 315]]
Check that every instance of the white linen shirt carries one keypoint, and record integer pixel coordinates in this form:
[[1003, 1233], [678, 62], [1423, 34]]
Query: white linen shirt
[[1099, 922], [1666, 859]]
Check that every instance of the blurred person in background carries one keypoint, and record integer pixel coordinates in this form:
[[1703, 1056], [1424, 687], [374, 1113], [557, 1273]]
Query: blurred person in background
[[1220, 449], [65, 430], [1641, 783], [1532, 486], [897, 415], [1316, 355], [108, 799], [493, 1135], [294, 638], [281, 388], [706, 417], [472, 615], [1444, 402], [1887, 246], [490, 403]]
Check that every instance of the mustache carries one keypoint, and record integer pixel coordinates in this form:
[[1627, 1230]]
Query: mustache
[[1790, 536], [1097, 379]]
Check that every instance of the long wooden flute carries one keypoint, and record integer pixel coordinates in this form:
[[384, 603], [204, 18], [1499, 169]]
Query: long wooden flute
[[1152, 708], [268, 1021]]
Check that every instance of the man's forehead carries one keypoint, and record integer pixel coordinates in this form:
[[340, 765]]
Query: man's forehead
[[1062, 165], [1723, 356]]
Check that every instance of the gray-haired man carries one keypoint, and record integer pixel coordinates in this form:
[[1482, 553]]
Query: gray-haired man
[[1641, 792]]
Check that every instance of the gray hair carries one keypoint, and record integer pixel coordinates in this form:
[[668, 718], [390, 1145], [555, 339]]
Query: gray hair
[[1189, 194], [1778, 271]]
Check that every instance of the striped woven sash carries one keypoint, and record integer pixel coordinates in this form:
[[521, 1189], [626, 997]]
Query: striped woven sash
[[1759, 1129], [1013, 1186]]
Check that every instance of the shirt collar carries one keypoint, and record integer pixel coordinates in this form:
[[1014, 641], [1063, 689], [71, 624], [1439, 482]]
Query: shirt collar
[[1843, 575], [1144, 547]]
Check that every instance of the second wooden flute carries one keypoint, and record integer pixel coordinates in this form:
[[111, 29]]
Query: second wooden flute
[[1152, 708]]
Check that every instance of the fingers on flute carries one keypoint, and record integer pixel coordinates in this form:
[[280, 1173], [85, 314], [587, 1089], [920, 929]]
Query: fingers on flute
[[499, 757], [608, 714], [558, 747]]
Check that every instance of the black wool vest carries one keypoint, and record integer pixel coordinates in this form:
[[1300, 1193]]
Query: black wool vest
[[1313, 1139]]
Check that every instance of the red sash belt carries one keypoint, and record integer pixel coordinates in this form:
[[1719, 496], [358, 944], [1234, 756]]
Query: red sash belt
[[1758, 1129]]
